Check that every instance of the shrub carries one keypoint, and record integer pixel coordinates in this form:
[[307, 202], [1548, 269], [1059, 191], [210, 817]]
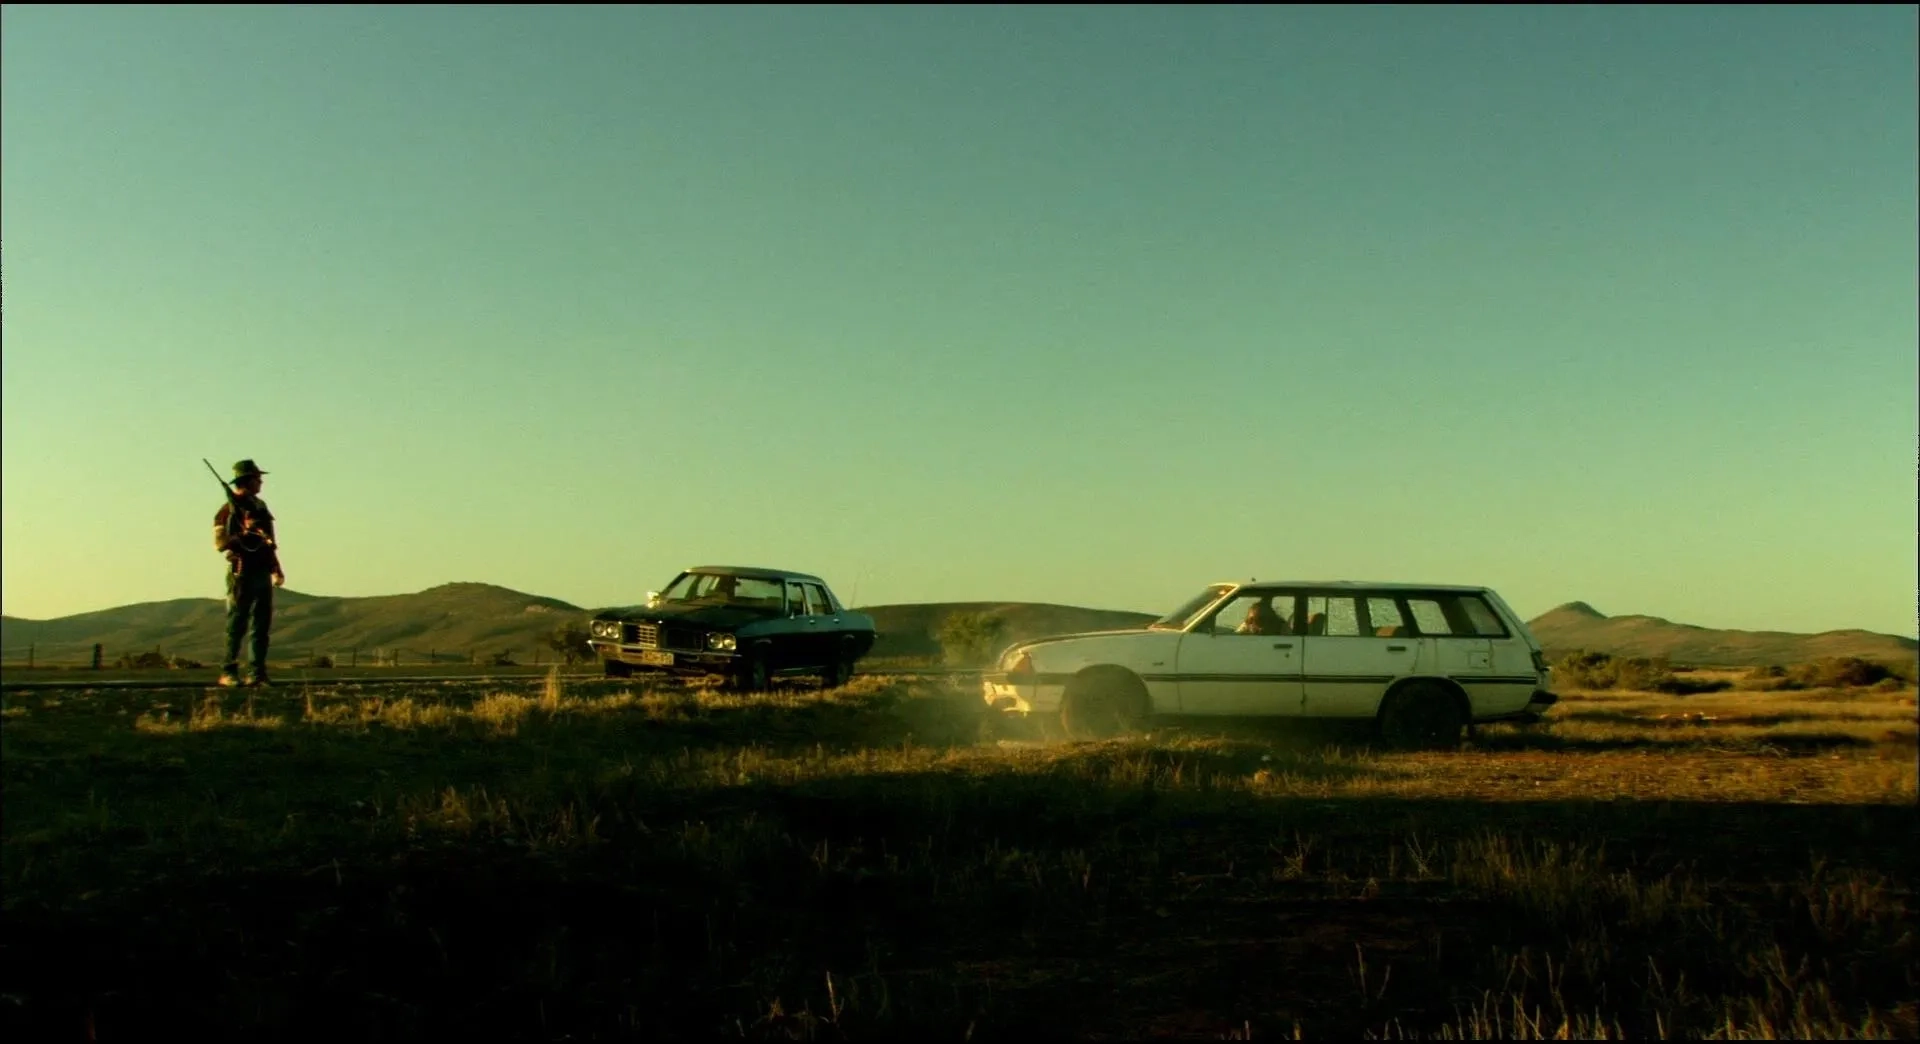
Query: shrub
[[1585, 669], [503, 658], [323, 660], [1838, 672], [570, 641], [1834, 672], [968, 639]]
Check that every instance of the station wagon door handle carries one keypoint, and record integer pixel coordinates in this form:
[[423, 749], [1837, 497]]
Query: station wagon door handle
[[1283, 645], [1396, 648]]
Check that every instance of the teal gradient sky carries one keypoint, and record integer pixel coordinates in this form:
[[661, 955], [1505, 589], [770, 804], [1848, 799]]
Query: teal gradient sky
[[1061, 304]]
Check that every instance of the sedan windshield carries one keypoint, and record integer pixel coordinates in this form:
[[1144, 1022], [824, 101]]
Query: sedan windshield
[[1179, 618], [724, 589]]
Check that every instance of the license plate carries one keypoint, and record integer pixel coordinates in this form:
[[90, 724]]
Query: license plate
[[656, 659]]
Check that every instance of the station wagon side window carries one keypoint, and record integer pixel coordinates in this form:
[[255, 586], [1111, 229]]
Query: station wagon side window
[[1484, 620], [1430, 617], [1336, 617], [1385, 620], [1254, 612]]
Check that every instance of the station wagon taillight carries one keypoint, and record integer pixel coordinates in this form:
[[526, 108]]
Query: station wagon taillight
[[1540, 661]]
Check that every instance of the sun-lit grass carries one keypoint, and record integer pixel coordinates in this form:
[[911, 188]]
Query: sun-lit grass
[[614, 859]]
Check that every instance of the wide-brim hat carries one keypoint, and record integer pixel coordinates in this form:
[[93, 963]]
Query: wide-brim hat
[[246, 469]]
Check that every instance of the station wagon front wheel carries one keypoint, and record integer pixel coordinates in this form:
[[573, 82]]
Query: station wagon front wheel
[[1103, 705], [1422, 716]]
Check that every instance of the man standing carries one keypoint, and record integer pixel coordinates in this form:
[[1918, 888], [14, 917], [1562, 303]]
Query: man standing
[[243, 531]]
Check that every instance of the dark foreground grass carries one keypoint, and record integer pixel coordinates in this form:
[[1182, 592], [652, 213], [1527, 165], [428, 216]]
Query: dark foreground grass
[[605, 863]]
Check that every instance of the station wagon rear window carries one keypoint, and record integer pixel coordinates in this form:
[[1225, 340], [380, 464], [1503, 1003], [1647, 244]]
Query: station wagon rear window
[[1455, 616]]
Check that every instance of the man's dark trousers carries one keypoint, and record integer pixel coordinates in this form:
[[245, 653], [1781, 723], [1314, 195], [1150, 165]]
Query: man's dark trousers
[[249, 600]]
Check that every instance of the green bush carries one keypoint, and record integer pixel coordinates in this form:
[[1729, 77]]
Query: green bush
[[1833, 672], [969, 639], [570, 641], [1585, 669]]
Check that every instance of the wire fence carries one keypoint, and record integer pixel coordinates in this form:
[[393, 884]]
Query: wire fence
[[99, 657]]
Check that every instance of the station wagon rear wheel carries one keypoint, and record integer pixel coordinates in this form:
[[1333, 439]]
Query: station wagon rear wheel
[[1422, 716]]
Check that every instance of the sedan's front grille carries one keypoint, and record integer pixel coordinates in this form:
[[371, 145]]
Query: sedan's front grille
[[686, 638], [645, 634]]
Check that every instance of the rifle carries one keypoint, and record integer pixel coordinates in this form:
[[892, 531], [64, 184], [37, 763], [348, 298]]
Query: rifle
[[247, 540]]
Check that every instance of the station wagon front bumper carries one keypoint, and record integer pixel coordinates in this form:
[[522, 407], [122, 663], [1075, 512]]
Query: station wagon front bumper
[[1023, 693]]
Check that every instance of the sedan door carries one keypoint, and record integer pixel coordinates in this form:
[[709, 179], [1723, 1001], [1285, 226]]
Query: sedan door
[[1244, 660], [825, 622]]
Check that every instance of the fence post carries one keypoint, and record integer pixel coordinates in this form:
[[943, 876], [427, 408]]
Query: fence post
[[355, 661], [432, 657], [29, 656], [96, 656]]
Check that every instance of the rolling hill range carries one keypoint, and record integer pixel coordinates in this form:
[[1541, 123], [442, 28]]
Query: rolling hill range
[[1577, 625], [449, 621], [454, 620], [451, 618]]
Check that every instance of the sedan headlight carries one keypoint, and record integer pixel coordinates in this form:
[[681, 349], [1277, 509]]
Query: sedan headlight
[[605, 629], [721, 642]]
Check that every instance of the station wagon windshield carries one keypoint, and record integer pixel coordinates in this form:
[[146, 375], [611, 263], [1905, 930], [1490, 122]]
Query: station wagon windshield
[[1179, 618], [724, 589]]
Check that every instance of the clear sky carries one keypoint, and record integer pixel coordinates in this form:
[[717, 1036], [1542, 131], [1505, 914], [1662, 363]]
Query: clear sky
[[1076, 305]]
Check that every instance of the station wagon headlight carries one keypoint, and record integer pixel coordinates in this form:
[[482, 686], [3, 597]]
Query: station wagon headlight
[[604, 629], [721, 642]]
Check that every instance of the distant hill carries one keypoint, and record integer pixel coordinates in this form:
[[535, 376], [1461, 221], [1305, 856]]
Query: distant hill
[[1577, 625], [455, 619]]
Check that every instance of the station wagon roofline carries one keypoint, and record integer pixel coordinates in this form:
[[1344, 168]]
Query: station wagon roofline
[[755, 573], [1342, 585]]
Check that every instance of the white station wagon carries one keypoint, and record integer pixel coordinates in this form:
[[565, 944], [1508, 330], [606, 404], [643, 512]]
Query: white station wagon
[[1422, 661]]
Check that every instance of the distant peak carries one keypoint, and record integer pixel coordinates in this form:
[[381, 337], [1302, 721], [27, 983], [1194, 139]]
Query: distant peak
[[1579, 609]]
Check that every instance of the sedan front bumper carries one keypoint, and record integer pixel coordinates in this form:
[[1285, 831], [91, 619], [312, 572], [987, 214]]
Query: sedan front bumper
[[679, 661]]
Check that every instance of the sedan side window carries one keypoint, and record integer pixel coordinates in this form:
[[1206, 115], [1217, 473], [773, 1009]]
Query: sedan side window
[[818, 601], [796, 600]]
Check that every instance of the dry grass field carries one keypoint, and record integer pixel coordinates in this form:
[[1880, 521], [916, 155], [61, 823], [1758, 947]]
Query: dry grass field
[[605, 860]]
